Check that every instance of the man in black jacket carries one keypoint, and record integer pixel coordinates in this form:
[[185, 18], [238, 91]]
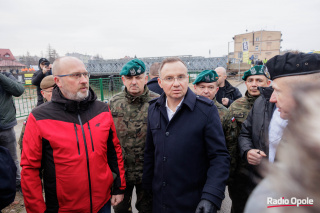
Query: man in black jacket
[[154, 75], [262, 130], [44, 70], [226, 94], [286, 71]]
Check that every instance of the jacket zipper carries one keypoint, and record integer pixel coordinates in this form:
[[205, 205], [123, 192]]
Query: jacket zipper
[[88, 167], [75, 129], [91, 137]]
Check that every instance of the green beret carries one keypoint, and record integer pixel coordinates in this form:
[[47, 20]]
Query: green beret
[[256, 70], [207, 76], [133, 67], [47, 82]]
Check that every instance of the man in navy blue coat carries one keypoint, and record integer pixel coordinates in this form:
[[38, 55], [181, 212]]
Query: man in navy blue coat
[[186, 160]]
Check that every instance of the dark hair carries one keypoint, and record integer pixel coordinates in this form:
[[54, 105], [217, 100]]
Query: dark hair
[[170, 60]]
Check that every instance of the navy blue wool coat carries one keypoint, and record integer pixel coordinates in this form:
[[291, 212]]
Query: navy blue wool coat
[[186, 159]]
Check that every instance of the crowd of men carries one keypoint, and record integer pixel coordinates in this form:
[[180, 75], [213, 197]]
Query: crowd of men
[[178, 148]]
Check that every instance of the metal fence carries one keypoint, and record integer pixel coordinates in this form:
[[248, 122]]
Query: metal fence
[[26, 102], [104, 88]]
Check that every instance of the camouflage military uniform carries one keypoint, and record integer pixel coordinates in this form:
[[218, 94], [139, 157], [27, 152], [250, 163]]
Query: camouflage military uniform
[[130, 118], [222, 110], [238, 180]]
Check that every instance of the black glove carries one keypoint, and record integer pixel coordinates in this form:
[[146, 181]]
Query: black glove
[[206, 206]]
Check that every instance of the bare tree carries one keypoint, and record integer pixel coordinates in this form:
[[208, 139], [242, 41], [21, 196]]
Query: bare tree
[[28, 59], [51, 54]]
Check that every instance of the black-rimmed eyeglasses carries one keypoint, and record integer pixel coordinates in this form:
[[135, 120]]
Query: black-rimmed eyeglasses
[[76, 75]]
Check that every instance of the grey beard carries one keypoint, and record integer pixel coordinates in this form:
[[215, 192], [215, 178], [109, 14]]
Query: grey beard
[[79, 96]]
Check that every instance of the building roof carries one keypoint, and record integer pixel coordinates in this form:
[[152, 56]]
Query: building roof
[[7, 63], [5, 54], [259, 31]]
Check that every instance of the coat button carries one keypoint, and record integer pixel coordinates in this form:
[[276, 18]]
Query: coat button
[[164, 184], [164, 158], [167, 133]]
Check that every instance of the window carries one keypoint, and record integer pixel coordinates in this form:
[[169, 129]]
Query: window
[[257, 47], [257, 38], [7, 55], [240, 55]]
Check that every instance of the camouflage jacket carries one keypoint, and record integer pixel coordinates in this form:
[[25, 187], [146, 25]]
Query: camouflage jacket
[[237, 114], [222, 110], [130, 115]]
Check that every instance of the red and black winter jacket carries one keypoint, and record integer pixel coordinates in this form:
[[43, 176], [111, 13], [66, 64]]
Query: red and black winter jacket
[[76, 145]]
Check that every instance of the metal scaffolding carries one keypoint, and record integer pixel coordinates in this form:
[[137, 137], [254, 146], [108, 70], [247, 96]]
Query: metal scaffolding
[[194, 63]]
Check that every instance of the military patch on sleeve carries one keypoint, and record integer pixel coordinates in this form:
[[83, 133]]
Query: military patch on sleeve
[[233, 119], [25, 122], [266, 72]]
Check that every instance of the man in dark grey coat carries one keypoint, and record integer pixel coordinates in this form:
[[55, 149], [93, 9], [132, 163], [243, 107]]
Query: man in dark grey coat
[[227, 93], [186, 160], [9, 86]]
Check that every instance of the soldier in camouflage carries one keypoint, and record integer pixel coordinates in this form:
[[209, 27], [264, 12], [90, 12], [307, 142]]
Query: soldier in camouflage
[[206, 85], [239, 181], [130, 111], [46, 86]]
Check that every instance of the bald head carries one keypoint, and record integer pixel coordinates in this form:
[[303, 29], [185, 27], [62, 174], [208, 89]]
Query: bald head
[[59, 65], [221, 71], [71, 76]]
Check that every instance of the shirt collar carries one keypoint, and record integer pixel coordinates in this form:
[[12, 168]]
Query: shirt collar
[[176, 107]]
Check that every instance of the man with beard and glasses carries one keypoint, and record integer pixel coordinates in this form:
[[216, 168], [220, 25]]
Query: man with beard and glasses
[[73, 139]]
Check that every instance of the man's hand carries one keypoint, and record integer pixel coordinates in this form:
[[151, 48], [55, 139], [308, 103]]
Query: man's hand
[[206, 206], [225, 101], [116, 199], [254, 156], [45, 68]]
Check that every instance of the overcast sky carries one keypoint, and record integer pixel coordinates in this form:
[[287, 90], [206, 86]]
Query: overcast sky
[[150, 28]]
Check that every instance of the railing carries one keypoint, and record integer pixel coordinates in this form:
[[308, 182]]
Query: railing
[[104, 88], [27, 101]]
